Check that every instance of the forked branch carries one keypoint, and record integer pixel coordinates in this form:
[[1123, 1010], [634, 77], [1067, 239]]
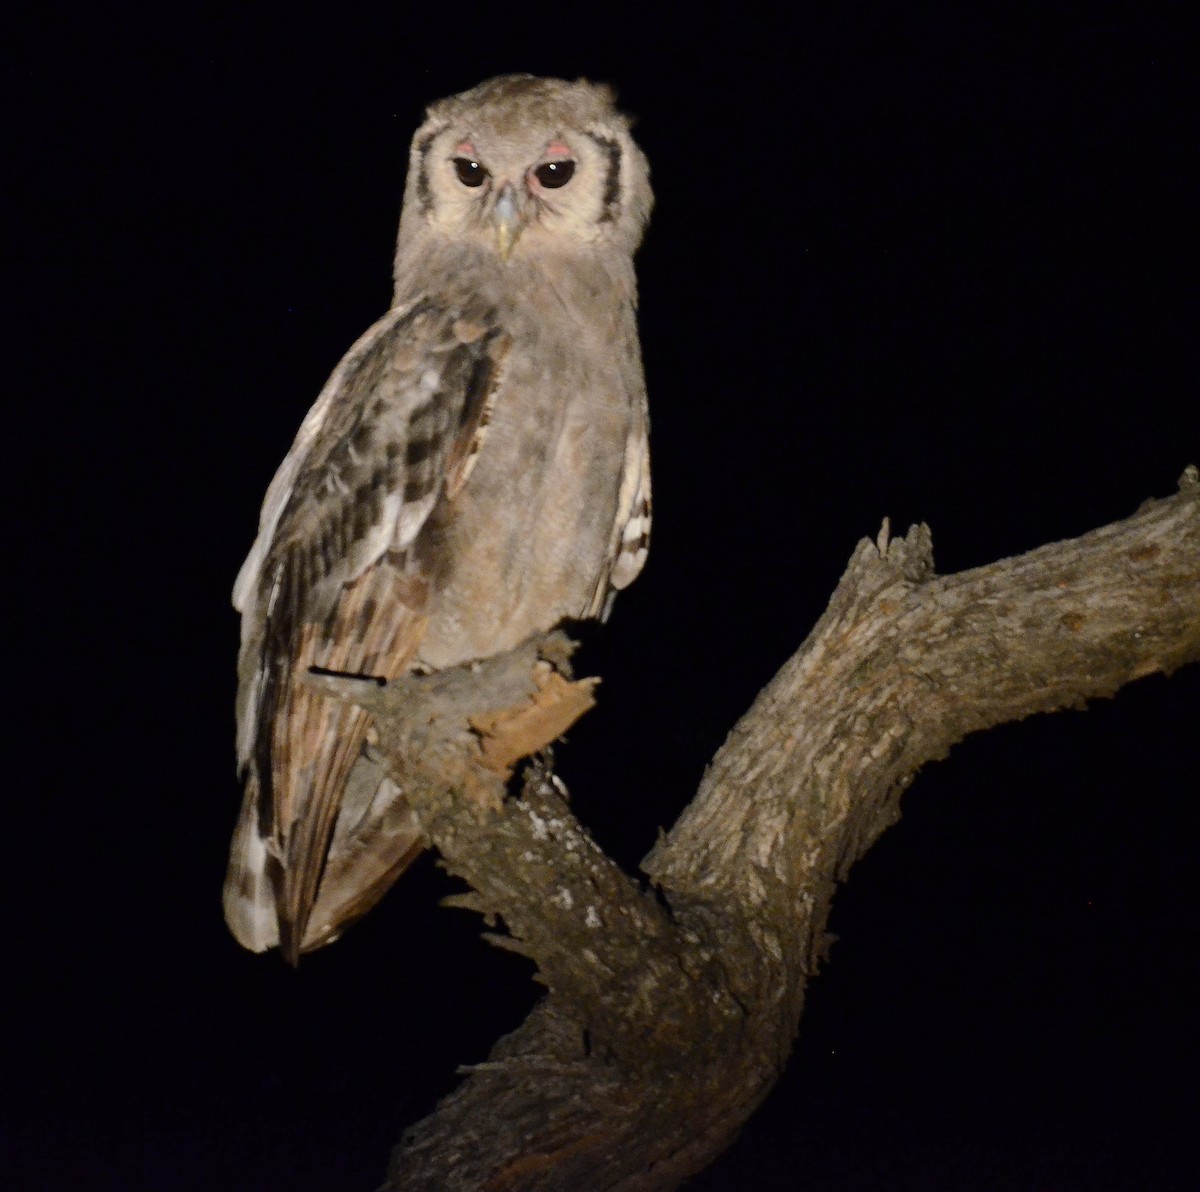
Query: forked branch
[[671, 1013]]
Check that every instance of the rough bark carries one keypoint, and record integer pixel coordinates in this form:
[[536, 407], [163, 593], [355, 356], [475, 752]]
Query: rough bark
[[672, 1007]]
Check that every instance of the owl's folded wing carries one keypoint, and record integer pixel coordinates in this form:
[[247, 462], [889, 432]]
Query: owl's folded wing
[[331, 582]]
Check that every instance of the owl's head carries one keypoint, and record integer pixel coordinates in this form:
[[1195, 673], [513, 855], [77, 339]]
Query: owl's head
[[521, 166]]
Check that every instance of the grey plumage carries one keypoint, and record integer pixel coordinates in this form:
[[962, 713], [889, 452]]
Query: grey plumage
[[475, 470]]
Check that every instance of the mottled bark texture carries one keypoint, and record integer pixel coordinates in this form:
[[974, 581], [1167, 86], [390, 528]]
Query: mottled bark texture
[[671, 1009]]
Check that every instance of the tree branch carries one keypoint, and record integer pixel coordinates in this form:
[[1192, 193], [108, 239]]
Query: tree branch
[[669, 1016]]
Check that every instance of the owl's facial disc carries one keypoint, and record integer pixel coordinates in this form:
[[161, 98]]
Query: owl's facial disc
[[497, 184]]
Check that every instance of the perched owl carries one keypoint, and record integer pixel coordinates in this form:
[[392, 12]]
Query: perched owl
[[475, 471]]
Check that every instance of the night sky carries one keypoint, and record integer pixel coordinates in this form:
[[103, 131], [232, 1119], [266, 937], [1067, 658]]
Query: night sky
[[905, 261]]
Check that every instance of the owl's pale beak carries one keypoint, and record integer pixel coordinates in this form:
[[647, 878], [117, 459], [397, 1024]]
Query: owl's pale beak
[[507, 219]]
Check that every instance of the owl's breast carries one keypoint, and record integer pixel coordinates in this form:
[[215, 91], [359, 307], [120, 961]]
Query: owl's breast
[[528, 538]]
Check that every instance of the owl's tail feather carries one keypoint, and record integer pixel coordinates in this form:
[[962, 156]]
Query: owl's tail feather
[[375, 839], [316, 743]]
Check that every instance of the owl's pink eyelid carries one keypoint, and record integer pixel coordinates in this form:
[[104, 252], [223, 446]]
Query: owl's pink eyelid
[[464, 149], [558, 149]]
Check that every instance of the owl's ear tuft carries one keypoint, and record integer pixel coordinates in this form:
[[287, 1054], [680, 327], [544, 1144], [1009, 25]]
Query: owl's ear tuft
[[605, 92]]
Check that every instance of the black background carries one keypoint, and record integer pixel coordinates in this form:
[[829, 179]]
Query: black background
[[931, 262]]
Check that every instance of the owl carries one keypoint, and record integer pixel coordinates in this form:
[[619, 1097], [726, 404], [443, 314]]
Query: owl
[[475, 471]]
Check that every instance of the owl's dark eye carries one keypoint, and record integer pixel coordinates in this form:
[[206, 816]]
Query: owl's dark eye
[[553, 174], [471, 173]]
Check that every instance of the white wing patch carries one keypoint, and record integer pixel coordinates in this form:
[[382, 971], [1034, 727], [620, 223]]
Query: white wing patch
[[631, 529], [248, 897], [635, 536]]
